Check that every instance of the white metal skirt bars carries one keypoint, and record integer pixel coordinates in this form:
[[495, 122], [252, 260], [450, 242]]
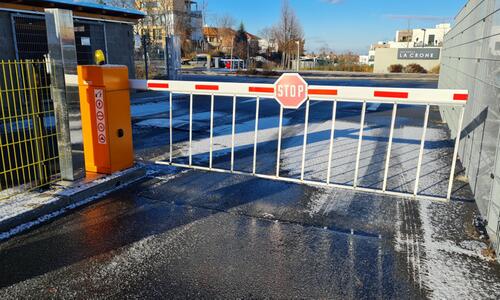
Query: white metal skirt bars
[[333, 94]]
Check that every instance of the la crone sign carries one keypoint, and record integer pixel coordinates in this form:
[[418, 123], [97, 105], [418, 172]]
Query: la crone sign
[[291, 90], [419, 53]]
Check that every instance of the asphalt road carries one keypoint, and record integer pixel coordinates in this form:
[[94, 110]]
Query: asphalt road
[[192, 234]]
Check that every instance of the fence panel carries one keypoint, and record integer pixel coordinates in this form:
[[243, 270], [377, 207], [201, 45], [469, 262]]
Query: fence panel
[[28, 138], [336, 95]]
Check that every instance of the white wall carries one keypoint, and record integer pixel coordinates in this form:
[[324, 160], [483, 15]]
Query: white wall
[[363, 59], [471, 60], [384, 57], [438, 32]]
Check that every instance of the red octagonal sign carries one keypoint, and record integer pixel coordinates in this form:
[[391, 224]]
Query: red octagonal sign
[[290, 90]]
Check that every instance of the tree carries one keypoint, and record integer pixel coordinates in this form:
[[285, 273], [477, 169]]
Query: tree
[[241, 42], [287, 33], [225, 32]]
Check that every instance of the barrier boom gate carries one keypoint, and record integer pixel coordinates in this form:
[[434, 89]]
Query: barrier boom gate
[[289, 98]]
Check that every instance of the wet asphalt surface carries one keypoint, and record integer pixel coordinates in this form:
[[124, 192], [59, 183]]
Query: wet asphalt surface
[[192, 234]]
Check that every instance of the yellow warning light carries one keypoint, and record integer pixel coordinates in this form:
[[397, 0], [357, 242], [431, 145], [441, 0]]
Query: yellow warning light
[[99, 57]]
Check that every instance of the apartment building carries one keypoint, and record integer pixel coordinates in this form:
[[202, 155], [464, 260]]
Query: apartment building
[[171, 17], [414, 46]]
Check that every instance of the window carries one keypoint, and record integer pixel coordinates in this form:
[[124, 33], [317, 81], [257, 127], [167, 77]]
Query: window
[[157, 34], [432, 39]]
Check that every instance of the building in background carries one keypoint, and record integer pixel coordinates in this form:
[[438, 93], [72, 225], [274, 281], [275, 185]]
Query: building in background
[[422, 37], [23, 33], [415, 46], [364, 59], [373, 49], [221, 39], [165, 18], [267, 46]]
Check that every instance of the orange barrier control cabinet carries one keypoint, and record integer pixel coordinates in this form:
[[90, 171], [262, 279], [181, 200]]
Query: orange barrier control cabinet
[[106, 121]]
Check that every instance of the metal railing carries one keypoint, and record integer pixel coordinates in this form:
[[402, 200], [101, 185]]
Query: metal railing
[[28, 137], [333, 94]]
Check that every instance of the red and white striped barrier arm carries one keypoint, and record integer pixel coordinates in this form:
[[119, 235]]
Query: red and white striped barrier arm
[[315, 92]]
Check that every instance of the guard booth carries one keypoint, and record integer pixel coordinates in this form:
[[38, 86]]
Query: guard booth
[[106, 120]]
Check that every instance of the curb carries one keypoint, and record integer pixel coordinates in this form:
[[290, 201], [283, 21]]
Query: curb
[[316, 76], [66, 200]]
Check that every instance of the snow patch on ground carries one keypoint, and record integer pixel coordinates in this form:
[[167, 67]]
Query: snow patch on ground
[[244, 137], [143, 110], [52, 215], [446, 269], [453, 271], [162, 123], [23, 203]]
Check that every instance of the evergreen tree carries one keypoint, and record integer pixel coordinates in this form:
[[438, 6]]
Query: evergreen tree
[[241, 42], [241, 35]]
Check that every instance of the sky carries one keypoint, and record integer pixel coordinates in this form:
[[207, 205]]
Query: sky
[[341, 25]]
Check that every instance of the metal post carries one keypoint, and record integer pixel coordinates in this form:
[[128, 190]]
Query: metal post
[[360, 142], [455, 153], [62, 53], [389, 148], [298, 56], [211, 131], [304, 147], [167, 57], [233, 133], [332, 137], [145, 50], [248, 54], [190, 129], [232, 48], [280, 129], [256, 136], [172, 56], [170, 127], [422, 148]]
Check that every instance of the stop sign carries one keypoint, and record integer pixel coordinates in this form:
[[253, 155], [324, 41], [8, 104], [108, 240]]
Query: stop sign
[[290, 90]]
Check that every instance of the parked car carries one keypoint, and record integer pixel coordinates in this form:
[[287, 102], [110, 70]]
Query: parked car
[[201, 60]]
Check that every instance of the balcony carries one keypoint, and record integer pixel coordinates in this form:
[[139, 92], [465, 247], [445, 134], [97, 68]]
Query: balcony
[[433, 45], [195, 14]]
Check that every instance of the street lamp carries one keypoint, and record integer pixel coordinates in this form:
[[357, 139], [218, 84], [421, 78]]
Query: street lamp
[[423, 42], [298, 56]]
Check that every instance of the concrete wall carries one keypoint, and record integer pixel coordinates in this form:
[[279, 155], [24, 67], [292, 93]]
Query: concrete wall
[[7, 50], [471, 60], [384, 57]]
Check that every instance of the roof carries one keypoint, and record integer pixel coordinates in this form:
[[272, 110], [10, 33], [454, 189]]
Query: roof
[[252, 36], [82, 6], [214, 31], [210, 31]]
